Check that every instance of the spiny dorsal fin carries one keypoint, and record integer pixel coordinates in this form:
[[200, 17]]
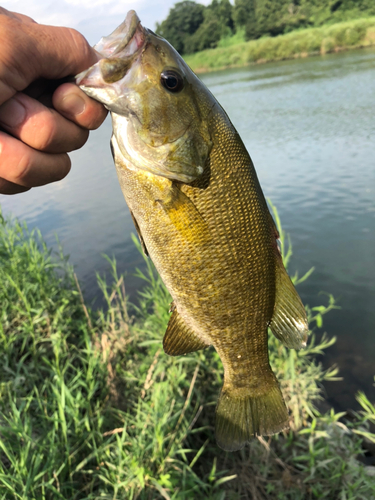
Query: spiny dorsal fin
[[141, 240], [179, 338], [289, 321]]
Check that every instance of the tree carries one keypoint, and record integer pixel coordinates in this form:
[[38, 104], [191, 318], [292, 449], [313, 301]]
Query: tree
[[182, 21], [222, 10], [190, 26], [226, 17], [243, 10], [207, 35], [269, 16], [251, 25]]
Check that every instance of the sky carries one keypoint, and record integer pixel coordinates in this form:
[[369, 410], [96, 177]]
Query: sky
[[93, 18]]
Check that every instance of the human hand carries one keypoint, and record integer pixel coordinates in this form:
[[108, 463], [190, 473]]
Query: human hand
[[35, 138]]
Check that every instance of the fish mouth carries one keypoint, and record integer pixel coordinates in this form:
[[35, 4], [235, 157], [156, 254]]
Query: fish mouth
[[119, 42], [125, 42]]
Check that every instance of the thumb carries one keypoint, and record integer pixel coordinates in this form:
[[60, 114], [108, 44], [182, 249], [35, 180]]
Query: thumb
[[30, 51], [62, 51]]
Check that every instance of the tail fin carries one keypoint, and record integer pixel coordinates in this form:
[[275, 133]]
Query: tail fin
[[240, 417]]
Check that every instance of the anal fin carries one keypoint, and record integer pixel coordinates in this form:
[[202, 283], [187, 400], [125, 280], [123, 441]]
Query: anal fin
[[179, 338], [289, 320]]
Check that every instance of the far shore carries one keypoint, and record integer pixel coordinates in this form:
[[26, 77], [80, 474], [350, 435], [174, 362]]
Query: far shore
[[297, 44]]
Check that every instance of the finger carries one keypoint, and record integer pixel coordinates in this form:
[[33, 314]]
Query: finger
[[75, 105], [31, 51], [27, 167], [40, 127], [16, 15], [69, 54], [7, 187]]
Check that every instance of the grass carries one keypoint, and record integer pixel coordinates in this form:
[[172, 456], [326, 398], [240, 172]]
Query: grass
[[91, 407], [300, 43], [235, 39]]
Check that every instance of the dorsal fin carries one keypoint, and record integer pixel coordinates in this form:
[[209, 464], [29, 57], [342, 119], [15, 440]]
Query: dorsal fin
[[179, 338], [289, 320]]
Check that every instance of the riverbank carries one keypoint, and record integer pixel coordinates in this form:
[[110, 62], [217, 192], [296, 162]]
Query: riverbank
[[91, 407], [302, 43]]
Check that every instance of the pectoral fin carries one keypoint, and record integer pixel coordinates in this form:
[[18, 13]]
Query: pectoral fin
[[289, 321], [141, 240], [184, 216], [179, 338]]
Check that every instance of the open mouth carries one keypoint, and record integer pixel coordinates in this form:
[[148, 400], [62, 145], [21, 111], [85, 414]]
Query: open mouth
[[123, 43], [124, 40]]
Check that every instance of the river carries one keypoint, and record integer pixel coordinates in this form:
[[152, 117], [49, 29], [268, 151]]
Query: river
[[309, 125]]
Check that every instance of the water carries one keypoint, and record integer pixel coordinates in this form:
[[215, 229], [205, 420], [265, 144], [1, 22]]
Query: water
[[309, 126]]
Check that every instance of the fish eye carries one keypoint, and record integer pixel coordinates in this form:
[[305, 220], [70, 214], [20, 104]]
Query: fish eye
[[172, 81]]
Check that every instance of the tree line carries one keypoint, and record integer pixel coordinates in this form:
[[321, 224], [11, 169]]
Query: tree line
[[191, 27]]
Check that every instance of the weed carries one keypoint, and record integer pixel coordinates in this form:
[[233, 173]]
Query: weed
[[91, 407], [298, 43]]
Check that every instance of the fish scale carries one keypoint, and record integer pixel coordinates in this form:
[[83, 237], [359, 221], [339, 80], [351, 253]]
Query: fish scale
[[202, 218]]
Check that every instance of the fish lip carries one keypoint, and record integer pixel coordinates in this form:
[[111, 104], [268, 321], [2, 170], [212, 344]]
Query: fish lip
[[117, 42], [126, 41], [85, 78]]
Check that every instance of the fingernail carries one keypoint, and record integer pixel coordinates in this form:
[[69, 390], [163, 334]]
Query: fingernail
[[73, 104], [12, 113]]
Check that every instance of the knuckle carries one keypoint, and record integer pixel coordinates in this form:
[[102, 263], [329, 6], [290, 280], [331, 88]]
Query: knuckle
[[45, 133], [26, 167], [17, 58], [23, 169], [82, 50]]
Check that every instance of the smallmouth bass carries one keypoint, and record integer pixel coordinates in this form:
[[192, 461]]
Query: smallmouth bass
[[201, 216]]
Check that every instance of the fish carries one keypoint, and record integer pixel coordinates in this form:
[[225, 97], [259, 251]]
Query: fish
[[202, 218]]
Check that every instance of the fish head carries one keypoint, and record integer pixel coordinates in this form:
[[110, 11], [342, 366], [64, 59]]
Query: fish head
[[159, 107]]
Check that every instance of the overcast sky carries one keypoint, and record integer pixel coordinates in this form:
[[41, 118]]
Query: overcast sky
[[93, 18]]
